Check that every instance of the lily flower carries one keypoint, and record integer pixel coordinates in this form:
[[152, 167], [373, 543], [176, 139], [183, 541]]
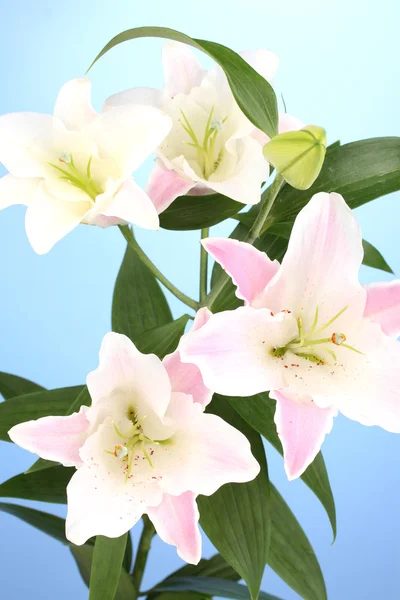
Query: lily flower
[[144, 446], [212, 146], [309, 332], [75, 166]]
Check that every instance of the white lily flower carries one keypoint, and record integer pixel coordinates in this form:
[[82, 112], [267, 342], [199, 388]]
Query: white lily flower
[[75, 166]]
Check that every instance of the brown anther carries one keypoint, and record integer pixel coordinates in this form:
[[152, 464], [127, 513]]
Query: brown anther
[[338, 338]]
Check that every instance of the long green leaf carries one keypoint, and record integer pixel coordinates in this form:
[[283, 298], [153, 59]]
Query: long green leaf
[[291, 555], [258, 411], [106, 568], [373, 258], [212, 586], [46, 486], [13, 385], [239, 534], [83, 556], [139, 303], [49, 524], [164, 339], [252, 92], [196, 212], [34, 406]]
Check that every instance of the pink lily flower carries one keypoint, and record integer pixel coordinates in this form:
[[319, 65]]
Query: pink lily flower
[[309, 332], [144, 446], [212, 146]]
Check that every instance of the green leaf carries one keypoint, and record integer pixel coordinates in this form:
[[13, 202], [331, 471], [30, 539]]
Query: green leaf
[[197, 212], [258, 411], [139, 303], [212, 586], [291, 555], [34, 406], [83, 556], [164, 339], [40, 464], [241, 535], [254, 95], [13, 385], [49, 524], [106, 568], [128, 557], [46, 486], [373, 258], [360, 171]]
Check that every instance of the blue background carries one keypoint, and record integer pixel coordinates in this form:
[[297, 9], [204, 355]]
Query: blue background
[[339, 68]]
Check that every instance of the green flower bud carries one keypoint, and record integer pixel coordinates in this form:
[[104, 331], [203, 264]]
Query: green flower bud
[[298, 156]]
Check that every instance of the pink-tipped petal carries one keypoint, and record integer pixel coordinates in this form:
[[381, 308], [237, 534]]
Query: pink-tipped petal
[[182, 71], [185, 377], [302, 427], [176, 522], [320, 268], [289, 123], [54, 438], [250, 269], [164, 186], [73, 105], [17, 190], [232, 350], [383, 306], [263, 61]]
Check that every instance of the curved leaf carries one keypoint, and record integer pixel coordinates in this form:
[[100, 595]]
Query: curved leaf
[[48, 485], [239, 534], [138, 303], [212, 586], [45, 522], [13, 385], [164, 339], [373, 258], [106, 569], [197, 212], [258, 411], [291, 555], [34, 406], [253, 93]]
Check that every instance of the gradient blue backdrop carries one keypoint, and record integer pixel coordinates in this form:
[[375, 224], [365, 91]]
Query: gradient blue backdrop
[[339, 68]]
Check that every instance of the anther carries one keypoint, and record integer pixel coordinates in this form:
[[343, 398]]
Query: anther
[[65, 157], [338, 338], [120, 451]]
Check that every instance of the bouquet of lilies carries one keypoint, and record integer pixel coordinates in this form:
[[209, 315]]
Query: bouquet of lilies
[[169, 428]]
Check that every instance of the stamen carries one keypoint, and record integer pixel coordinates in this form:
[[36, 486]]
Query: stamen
[[338, 338], [65, 157], [120, 451]]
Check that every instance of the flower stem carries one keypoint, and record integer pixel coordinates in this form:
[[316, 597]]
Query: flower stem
[[203, 266], [142, 554], [128, 235], [251, 237]]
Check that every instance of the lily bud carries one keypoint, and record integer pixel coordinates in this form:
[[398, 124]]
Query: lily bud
[[298, 156]]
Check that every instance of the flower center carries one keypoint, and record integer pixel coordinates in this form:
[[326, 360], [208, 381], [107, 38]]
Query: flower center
[[208, 156], [304, 344], [72, 175], [127, 451]]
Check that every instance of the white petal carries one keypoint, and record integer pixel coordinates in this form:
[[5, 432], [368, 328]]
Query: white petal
[[147, 96], [48, 219], [182, 71], [263, 61], [17, 190], [73, 105]]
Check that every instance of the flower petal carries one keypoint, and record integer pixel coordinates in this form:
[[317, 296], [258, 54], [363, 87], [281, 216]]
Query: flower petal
[[176, 522], [383, 306], [141, 95], [186, 377], [127, 377], [129, 134], [165, 185], [232, 350], [250, 269], [206, 452], [302, 427], [130, 205], [182, 71], [54, 438], [17, 190], [320, 267], [263, 61], [289, 123], [48, 218], [95, 508], [73, 105]]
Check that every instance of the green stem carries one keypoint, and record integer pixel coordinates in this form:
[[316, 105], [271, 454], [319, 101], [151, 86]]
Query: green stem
[[253, 234], [128, 235], [142, 554], [203, 266]]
